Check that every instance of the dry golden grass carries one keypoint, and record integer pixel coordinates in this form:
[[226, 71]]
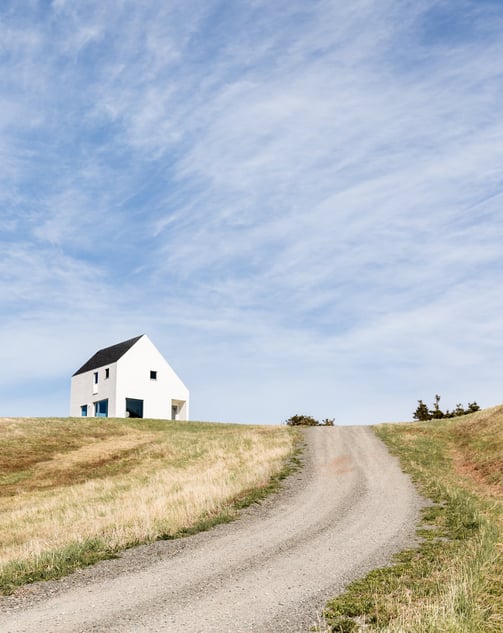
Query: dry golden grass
[[117, 483], [478, 449]]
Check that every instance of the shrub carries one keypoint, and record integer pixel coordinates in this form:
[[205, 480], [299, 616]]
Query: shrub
[[302, 420], [327, 422], [472, 407], [422, 412], [307, 420]]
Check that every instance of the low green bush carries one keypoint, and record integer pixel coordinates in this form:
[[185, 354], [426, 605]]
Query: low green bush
[[307, 420]]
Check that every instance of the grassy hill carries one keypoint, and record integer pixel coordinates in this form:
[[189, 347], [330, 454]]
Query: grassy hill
[[74, 491], [453, 582]]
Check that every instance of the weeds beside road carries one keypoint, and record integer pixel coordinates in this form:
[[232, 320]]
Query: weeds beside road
[[453, 582], [75, 491]]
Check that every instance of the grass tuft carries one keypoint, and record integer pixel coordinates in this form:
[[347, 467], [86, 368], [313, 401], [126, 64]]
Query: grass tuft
[[54, 564]]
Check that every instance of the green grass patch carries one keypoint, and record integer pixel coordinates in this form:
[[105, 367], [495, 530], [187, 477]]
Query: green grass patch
[[452, 582], [51, 565]]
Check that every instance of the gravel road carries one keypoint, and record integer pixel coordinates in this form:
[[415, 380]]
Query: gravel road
[[271, 571]]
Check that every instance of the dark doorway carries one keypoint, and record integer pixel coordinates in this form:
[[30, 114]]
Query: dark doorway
[[134, 408]]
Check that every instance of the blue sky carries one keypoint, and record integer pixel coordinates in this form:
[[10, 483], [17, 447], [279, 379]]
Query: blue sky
[[299, 202]]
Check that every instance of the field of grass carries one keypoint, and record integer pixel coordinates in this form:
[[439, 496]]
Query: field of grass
[[74, 491], [453, 582]]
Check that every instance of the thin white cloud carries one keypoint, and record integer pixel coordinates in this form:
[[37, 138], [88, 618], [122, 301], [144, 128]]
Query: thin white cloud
[[299, 199]]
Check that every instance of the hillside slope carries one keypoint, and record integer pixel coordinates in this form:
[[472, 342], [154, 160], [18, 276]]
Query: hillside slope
[[453, 581], [76, 490]]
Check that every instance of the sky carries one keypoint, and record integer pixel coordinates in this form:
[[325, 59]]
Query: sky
[[300, 203]]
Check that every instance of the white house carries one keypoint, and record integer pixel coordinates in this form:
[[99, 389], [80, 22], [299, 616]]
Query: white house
[[130, 379]]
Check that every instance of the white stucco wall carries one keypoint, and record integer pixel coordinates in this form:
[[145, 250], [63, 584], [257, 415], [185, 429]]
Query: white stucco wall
[[84, 391], [130, 378], [133, 381]]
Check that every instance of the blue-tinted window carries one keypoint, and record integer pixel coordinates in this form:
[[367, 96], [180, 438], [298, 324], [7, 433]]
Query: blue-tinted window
[[83, 410], [101, 408]]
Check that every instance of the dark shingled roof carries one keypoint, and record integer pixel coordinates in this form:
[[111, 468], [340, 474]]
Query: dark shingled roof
[[108, 355]]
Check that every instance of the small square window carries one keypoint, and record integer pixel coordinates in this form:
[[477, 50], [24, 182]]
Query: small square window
[[153, 375], [107, 372]]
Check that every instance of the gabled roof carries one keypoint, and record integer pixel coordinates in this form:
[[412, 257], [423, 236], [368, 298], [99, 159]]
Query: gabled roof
[[108, 355]]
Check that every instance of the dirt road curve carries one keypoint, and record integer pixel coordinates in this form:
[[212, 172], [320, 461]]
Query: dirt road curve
[[271, 571]]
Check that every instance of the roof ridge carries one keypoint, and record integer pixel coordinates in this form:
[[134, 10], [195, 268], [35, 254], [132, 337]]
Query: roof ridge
[[108, 355]]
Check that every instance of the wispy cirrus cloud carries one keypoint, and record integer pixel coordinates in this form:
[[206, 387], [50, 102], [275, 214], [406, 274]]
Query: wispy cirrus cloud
[[298, 200]]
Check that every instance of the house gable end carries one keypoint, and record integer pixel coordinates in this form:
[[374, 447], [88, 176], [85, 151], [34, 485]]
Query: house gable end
[[143, 359]]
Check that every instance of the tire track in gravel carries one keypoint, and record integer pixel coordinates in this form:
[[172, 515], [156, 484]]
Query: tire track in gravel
[[271, 571]]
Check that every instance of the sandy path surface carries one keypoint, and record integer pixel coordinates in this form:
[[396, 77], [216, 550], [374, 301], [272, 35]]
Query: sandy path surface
[[270, 571]]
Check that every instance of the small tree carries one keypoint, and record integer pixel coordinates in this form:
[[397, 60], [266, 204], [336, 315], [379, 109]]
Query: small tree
[[459, 410], [436, 412], [422, 413]]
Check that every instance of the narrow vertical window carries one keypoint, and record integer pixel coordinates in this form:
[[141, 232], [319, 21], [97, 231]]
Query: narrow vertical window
[[83, 410], [153, 375], [95, 382], [107, 372]]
